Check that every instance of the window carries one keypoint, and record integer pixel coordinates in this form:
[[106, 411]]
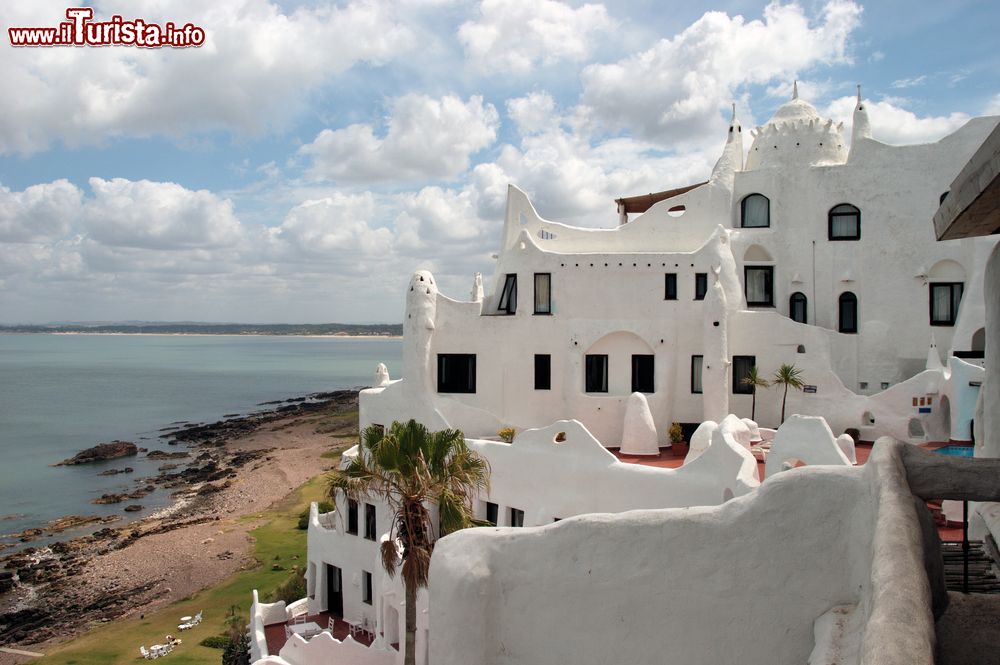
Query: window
[[516, 517], [755, 212], [366, 587], [700, 285], [798, 307], [352, 517], [456, 372], [508, 297], [696, 364], [642, 373], [759, 285], [847, 317], [845, 222], [370, 521], [543, 293], [597, 374], [492, 512], [670, 286], [741, 369], [543, 371], [945, 298]]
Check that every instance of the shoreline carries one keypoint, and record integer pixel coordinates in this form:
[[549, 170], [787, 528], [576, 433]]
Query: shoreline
[[237, 469]]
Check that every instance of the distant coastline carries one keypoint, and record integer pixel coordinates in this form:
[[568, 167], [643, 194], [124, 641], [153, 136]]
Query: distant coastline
[[378, 330]]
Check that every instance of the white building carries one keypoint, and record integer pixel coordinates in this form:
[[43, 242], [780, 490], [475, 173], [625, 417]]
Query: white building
[[802, 252]]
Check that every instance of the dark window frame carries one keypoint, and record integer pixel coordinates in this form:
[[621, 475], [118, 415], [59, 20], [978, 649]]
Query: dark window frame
[[670, 286], [831, 215], [698, 360], [508, 296], [743, 212], [953, 303], [444, 385], [594, 386], [367, 588], [543, 371], [516, 517], [740, 388], [847, 298], [371, 525], [548, 288], [700, 285], [493, 508], [643, 379], [800, 297], [769, 271], [352, 517]]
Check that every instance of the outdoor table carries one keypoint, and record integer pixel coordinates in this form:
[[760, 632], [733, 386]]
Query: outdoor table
[[307, 629]]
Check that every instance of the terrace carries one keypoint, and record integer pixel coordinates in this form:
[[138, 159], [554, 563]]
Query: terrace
[[277, 635]]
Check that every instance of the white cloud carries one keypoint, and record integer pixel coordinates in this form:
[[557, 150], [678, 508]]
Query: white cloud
[[532, 113], [336, 230], [909, 82], [425, 138], [158, 215], [256, 70], [993, 107], [893, 124], [40, 212], [673, 91], [513, 36]]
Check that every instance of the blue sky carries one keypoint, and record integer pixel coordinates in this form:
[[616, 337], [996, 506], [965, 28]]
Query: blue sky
[[305, 160]]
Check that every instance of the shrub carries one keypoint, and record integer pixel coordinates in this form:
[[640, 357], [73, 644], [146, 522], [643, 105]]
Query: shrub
[[506, 434], [676, 433], [215, 642], [237, 649], [292, 589], [324, 507]]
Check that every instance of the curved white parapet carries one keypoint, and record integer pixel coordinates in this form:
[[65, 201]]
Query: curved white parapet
[[807, 439], [639, 432], [325, 649], [700, 440], [846, 444]]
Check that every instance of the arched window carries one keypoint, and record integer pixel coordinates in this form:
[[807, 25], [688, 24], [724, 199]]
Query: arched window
[[845, 222], [798, 307], [755, 212], [847, 319]]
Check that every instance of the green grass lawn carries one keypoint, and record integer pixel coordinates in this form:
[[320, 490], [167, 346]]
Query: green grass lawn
[[277, 541]]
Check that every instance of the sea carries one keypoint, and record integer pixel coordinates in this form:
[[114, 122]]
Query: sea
[[62, 393]]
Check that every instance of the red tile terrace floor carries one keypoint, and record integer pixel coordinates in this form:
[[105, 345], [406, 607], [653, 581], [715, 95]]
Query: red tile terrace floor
[[275, 633], [948, 531]]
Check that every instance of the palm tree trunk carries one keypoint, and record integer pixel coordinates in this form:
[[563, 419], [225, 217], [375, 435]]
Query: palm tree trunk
[[410, 654], [753, 406], [783, 398]]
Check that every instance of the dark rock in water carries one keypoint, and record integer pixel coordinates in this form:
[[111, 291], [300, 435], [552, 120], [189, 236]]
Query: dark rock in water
[[114, 472], [160, 454], [167, 467], [231, 415], [133, 508], [102, 451], [29, 534]]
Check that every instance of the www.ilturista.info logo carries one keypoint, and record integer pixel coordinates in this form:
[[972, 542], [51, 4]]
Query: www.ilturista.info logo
[[81, 30]]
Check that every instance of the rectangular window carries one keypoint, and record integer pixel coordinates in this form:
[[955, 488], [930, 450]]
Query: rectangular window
[[492, 512], [370, 525], [759, 285], [597, 374], [642, 373], [670, 286], [366, 587], [543, 293], [700, 285], [456, 372], [352, 517], [945, 299], [543, 371], [696, 363], [508, 297], [516, 517], [741, 370]]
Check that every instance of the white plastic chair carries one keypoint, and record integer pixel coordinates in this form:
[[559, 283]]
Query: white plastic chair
[[197, 618], [148, 655]]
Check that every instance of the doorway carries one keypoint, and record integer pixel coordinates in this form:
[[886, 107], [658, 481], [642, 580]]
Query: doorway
[[334, 591]]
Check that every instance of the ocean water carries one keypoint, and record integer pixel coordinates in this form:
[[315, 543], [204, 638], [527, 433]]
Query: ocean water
[[60, 394]]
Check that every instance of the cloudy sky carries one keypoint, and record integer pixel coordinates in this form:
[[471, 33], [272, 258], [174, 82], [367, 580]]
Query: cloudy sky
[[305, 160]]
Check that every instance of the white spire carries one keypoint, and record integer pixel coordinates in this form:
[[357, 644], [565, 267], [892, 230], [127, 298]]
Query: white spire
[[795, 90], [862, 128], [933, 359]]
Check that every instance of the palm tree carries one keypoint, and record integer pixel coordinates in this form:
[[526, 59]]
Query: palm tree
[[787, 375], [753, 378], [410, 467]]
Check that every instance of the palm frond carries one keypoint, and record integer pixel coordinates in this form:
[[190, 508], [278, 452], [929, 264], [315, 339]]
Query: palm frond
[[390, 556]]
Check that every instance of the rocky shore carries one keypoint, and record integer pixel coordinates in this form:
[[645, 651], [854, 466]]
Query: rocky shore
[[224, 470]]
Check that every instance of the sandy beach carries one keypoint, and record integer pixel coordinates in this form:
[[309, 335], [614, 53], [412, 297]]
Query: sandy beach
[[126, 570]]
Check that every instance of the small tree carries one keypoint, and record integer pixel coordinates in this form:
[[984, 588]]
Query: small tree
[[788, 376], [408, 467], [755, 380], [237, 649]]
